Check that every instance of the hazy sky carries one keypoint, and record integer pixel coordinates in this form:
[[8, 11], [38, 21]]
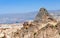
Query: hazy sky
[[23, 6]]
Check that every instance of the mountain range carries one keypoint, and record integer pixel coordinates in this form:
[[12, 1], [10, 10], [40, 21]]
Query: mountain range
[[21, 17]]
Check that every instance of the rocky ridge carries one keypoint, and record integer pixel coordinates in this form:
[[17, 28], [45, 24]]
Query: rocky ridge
[[43, 26]]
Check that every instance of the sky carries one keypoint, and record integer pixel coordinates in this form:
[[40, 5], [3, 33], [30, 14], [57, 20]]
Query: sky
[[24, 6]]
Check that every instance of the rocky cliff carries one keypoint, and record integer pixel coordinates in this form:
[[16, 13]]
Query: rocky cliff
[[43, 26]]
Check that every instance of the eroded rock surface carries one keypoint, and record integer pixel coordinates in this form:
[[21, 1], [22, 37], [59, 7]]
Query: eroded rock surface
[[43, 16], [43, 26]]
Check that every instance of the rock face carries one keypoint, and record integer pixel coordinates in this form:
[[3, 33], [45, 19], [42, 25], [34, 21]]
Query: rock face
[[44, 26], [43, 15]]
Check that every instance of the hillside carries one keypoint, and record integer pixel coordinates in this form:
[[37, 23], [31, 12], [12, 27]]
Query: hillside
[[43, 26]]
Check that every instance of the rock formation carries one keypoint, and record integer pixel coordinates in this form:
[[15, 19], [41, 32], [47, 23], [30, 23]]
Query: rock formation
[[43, 15], [43, 26]]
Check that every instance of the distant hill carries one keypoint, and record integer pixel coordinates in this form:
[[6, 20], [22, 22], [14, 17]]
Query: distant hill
[[16, 18]]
